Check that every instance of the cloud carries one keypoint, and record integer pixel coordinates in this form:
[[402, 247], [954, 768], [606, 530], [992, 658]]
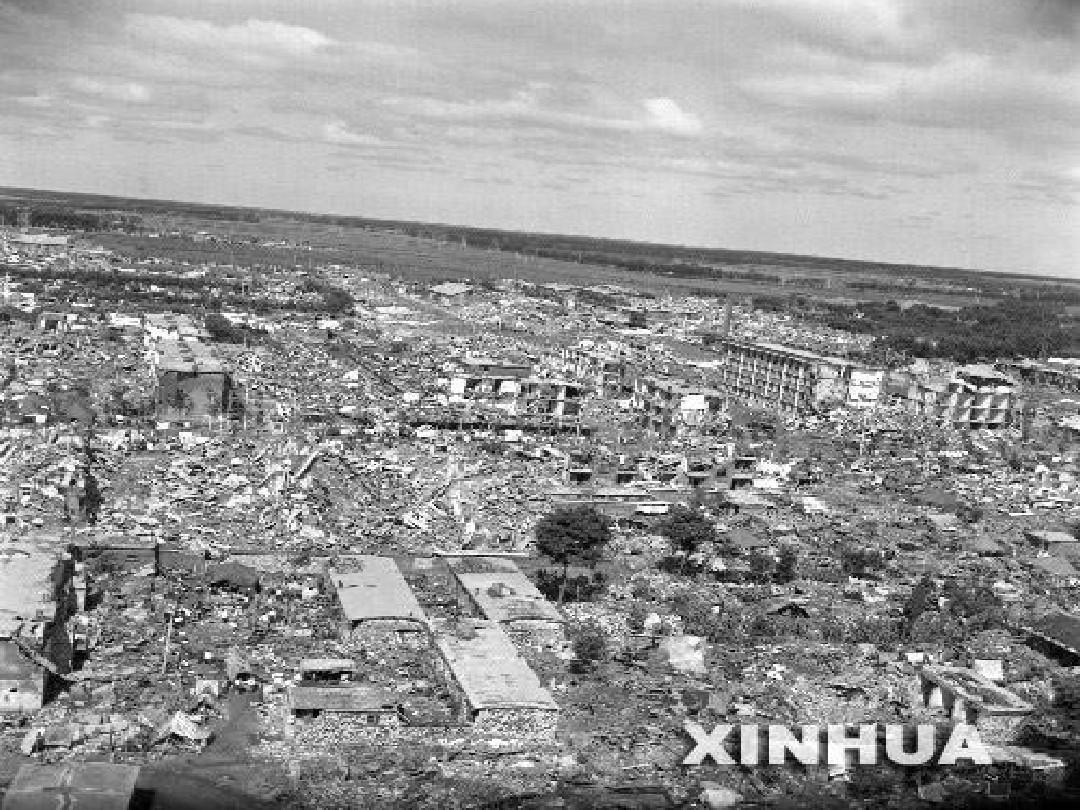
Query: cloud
[[1005, 98], [250, 38], [969, 103], [129, 92], [539, 106], [666, 115], [336, 132]]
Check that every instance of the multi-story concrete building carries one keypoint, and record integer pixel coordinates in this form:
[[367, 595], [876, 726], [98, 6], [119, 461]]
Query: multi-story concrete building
[[191, 381], [971, 397], [37, 598], [792, 380], [511, 387], [672, 407], [1059, 372]]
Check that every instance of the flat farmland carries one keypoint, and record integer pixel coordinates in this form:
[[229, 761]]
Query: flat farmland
[[428, 260]]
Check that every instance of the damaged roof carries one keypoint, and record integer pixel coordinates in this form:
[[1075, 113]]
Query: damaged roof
[[505, 593], [341, 699], [86, 785], [375, 589], [28, 583], [487, 667]]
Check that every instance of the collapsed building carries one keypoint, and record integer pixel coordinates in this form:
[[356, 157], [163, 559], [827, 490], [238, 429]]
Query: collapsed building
[[345, 709], [969, 398], [674, 407], [498, 692], [191, 381], [97, 785], [497, 590], [966, 696], [511, 387], [377, 604], [38, 596]]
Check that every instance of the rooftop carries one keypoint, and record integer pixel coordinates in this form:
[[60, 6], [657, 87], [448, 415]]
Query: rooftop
[[505, 594], [796, 353], [86, 785], [349, 698], [27, 582], [977, 689], [488, 668], [375, 589], [1061, 628]]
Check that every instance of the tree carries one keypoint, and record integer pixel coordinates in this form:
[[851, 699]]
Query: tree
[[688, 530], [969, 512], [221, 329], [858, 562], [762, 567], [975, 603], [918, 603], [787, 568], [570, 535], [589, 644]]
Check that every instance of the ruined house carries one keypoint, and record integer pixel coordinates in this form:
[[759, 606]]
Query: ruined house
[[966, 696], [377, 604], [97, 785], [494, 588], [1057, 635], [498, 692], [36, 600]]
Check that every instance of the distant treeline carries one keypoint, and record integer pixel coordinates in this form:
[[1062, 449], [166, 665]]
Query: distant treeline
[[66, 218], [671, 260], [1010, 328], [162, 291], [758, 267]]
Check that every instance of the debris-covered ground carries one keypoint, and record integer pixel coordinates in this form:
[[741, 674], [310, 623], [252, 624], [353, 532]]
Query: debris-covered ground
[[832, 556]]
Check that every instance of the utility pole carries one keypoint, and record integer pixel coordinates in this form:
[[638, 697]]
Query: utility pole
[[168, 641]]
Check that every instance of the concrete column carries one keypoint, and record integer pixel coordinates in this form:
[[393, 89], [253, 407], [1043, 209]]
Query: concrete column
[[936, 699]]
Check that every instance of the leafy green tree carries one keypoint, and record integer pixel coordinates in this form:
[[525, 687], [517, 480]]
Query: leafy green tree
[[576, 534], [687, 530]]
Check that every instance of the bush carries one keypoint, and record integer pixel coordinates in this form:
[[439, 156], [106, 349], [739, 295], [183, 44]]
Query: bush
[[589, 644], [635, 617], [641, 589], [581, 588]]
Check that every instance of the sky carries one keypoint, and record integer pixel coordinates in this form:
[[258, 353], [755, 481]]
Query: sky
[[916, 131]]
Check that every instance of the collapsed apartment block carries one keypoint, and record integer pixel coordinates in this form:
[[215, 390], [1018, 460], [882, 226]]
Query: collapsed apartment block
[[496, 589], [610, 370], [674, 407], [794, 381], [377, 604], [495, 383], [966, 696], [499, 693], [191, 381], [1057, 635], [1062, 373], [511, 387], [969, 398], [551, 397], [37, 597]]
